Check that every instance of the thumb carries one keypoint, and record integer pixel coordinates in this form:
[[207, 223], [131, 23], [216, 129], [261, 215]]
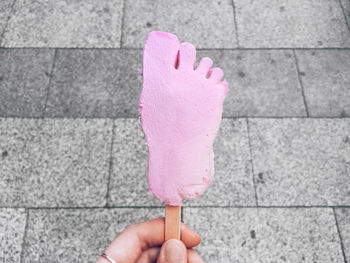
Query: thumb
[[173, 251]]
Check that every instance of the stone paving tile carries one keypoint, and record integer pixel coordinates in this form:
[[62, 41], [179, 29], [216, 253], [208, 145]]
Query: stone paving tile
[[128, 183], [343, 218], [325, 76], [54, 162], [289, 23], [79, 235], [129, 187], [12, 225], [266, 235], [301, 161], [5, 11], [206, 23], [60, 23], [24, 79], [233, 179], [261, 82], [95, 83]]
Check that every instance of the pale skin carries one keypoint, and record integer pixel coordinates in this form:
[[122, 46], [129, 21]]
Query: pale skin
[[144, 243]]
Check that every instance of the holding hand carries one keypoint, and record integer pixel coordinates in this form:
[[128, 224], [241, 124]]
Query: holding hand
[[143, 243]]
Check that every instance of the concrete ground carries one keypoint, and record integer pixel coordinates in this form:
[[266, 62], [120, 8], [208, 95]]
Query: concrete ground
[[72, 154]]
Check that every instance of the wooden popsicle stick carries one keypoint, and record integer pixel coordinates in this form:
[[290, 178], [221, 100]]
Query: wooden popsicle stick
[[172, 222]]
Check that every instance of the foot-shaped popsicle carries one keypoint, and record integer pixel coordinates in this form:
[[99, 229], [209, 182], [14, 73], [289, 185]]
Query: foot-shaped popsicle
[[180, 110]]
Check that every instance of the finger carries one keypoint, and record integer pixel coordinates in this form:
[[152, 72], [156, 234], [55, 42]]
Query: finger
[[135, 239], [190, 238], [151, 234], [173, 251], [150, 255], [125, 247], [193, 257]]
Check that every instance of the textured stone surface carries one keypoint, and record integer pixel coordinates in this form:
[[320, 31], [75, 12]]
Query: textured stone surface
[[261, 82], [60, 23], [346, 7], [24, 79], [65, 163], [233, 179], [301, 161], [325, 75], [266, 235], [128, 183], [205, 23], [12, 225], [95, 83], [289, 23], [77, 235], [343, 218], [5, 11], [54, 162]]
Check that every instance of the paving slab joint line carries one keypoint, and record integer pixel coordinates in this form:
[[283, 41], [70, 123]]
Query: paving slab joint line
[[235, 21], [49, 84], [24, 236], [90, 207], [135, 118], [251, 163], [241, 48], [339, 234], [110, 168], [301, 83], [185, 206], [343, 10], [7, 21], [122, 24]]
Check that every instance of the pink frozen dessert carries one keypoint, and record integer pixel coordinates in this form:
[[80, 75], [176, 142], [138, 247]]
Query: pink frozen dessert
[[180, 110]]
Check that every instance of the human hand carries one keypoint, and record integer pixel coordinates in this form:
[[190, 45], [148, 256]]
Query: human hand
[[143, 243]]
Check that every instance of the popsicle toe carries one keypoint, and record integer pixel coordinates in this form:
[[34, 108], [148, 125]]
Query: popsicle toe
[[186, 56], [204, 66], [160, 52], [180, 110]]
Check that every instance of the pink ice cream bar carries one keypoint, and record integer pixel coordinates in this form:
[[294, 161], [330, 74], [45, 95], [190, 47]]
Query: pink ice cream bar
[[180, 110]]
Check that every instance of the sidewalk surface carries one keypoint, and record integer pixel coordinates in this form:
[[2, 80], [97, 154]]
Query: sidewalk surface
[[73, 158]]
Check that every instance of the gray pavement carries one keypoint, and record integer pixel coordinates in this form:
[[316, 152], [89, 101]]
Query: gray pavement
[[73, 159], [266, 235]]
